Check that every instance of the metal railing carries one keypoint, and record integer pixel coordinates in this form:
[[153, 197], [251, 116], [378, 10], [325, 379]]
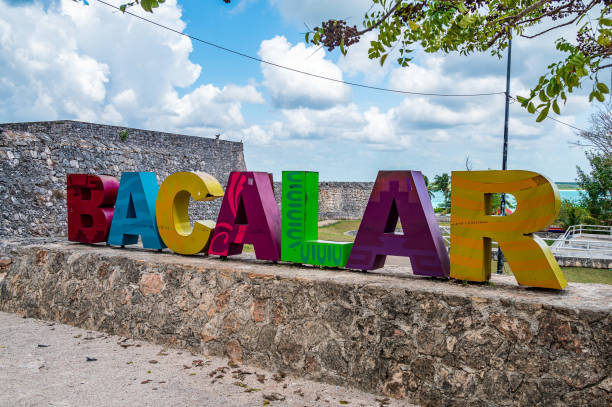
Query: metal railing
[[588, 239], [446, 235], [578, 240]]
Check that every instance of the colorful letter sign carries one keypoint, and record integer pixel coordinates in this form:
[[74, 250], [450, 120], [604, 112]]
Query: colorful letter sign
[[403, 195], [300, 217], [90, 203], [472, 226], [135, 211], [249, 214], [172, 210]]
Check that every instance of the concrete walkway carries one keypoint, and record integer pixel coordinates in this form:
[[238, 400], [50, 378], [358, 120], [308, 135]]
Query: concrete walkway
[[49, 364]]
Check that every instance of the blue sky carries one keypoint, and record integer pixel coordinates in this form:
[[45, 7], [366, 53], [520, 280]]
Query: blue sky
[[65, 60]]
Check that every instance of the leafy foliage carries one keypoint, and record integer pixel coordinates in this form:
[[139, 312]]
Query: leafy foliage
[[147, 5], [597, 184], [599, 136], [597, 187], [442, 183], [468, 26], [572, 214], [428, 186], [496, 203]]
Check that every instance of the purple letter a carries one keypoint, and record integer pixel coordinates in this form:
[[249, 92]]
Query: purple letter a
[[400, 194], [248, 214]]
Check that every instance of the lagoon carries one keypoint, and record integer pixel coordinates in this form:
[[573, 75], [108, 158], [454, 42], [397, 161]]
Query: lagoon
[[572, 195]]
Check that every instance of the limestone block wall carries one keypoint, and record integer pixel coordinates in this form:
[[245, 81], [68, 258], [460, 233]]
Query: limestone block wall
[[338, 200], [35, 158], [432, 342]]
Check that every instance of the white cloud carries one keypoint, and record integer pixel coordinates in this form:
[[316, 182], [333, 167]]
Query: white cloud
[[205, 108], [125, 98], [356, 61], [234, 93], [290, 89], [71, 61], [372, 127], [253, 135], [429, 75], [422, 112]]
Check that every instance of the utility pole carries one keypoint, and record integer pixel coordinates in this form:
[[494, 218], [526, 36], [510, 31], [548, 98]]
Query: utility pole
[[500, 255]]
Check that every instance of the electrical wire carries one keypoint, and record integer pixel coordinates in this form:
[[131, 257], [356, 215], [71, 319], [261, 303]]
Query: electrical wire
[[360, 85], [553, 119], [566, 124], [263, 61]]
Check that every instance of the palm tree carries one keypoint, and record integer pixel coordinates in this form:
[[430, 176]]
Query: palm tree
[[442, 183]]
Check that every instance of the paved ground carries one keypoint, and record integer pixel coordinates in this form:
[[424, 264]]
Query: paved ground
[[46, 364]]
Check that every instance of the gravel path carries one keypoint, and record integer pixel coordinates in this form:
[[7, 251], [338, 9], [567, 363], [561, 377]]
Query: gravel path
[[50, 364]]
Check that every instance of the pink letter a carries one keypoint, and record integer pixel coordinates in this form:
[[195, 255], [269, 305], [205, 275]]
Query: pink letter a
[[248, 214]]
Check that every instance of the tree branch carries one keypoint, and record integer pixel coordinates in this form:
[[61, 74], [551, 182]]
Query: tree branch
[[383, 18], [550, 29], [523, 13], [551, 12]]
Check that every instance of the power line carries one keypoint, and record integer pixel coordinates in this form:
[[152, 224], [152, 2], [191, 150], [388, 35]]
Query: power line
[[263, 61], [360, 85], [566, 124], [556, 120]]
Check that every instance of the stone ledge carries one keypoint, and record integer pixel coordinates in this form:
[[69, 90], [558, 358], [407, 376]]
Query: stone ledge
[[433, 342]]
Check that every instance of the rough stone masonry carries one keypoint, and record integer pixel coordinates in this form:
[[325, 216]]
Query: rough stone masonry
[[35, 158], [433, 342]]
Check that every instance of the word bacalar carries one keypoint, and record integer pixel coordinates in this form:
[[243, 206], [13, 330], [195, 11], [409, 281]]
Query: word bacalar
[[102, 209]]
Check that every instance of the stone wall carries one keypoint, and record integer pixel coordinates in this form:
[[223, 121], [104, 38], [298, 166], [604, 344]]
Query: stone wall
[[35, 158], [433, 342], [338, 200]]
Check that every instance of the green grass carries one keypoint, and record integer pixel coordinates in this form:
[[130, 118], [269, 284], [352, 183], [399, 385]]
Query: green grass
[[336, 232], [567, 185], [587, 275], [573, 274]]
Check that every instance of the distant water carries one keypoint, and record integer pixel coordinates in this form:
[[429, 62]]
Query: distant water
[[569, 194]]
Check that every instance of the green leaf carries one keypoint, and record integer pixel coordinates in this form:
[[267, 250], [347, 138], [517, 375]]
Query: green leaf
[[543, 114], [342, 49], [602, 87], [307, 37], [600, 96], [605, 21], [603, 40], [550, 89], [383, 59], [122, 7], [543, 96], [555, 107], [531, 108], [521, 99]]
